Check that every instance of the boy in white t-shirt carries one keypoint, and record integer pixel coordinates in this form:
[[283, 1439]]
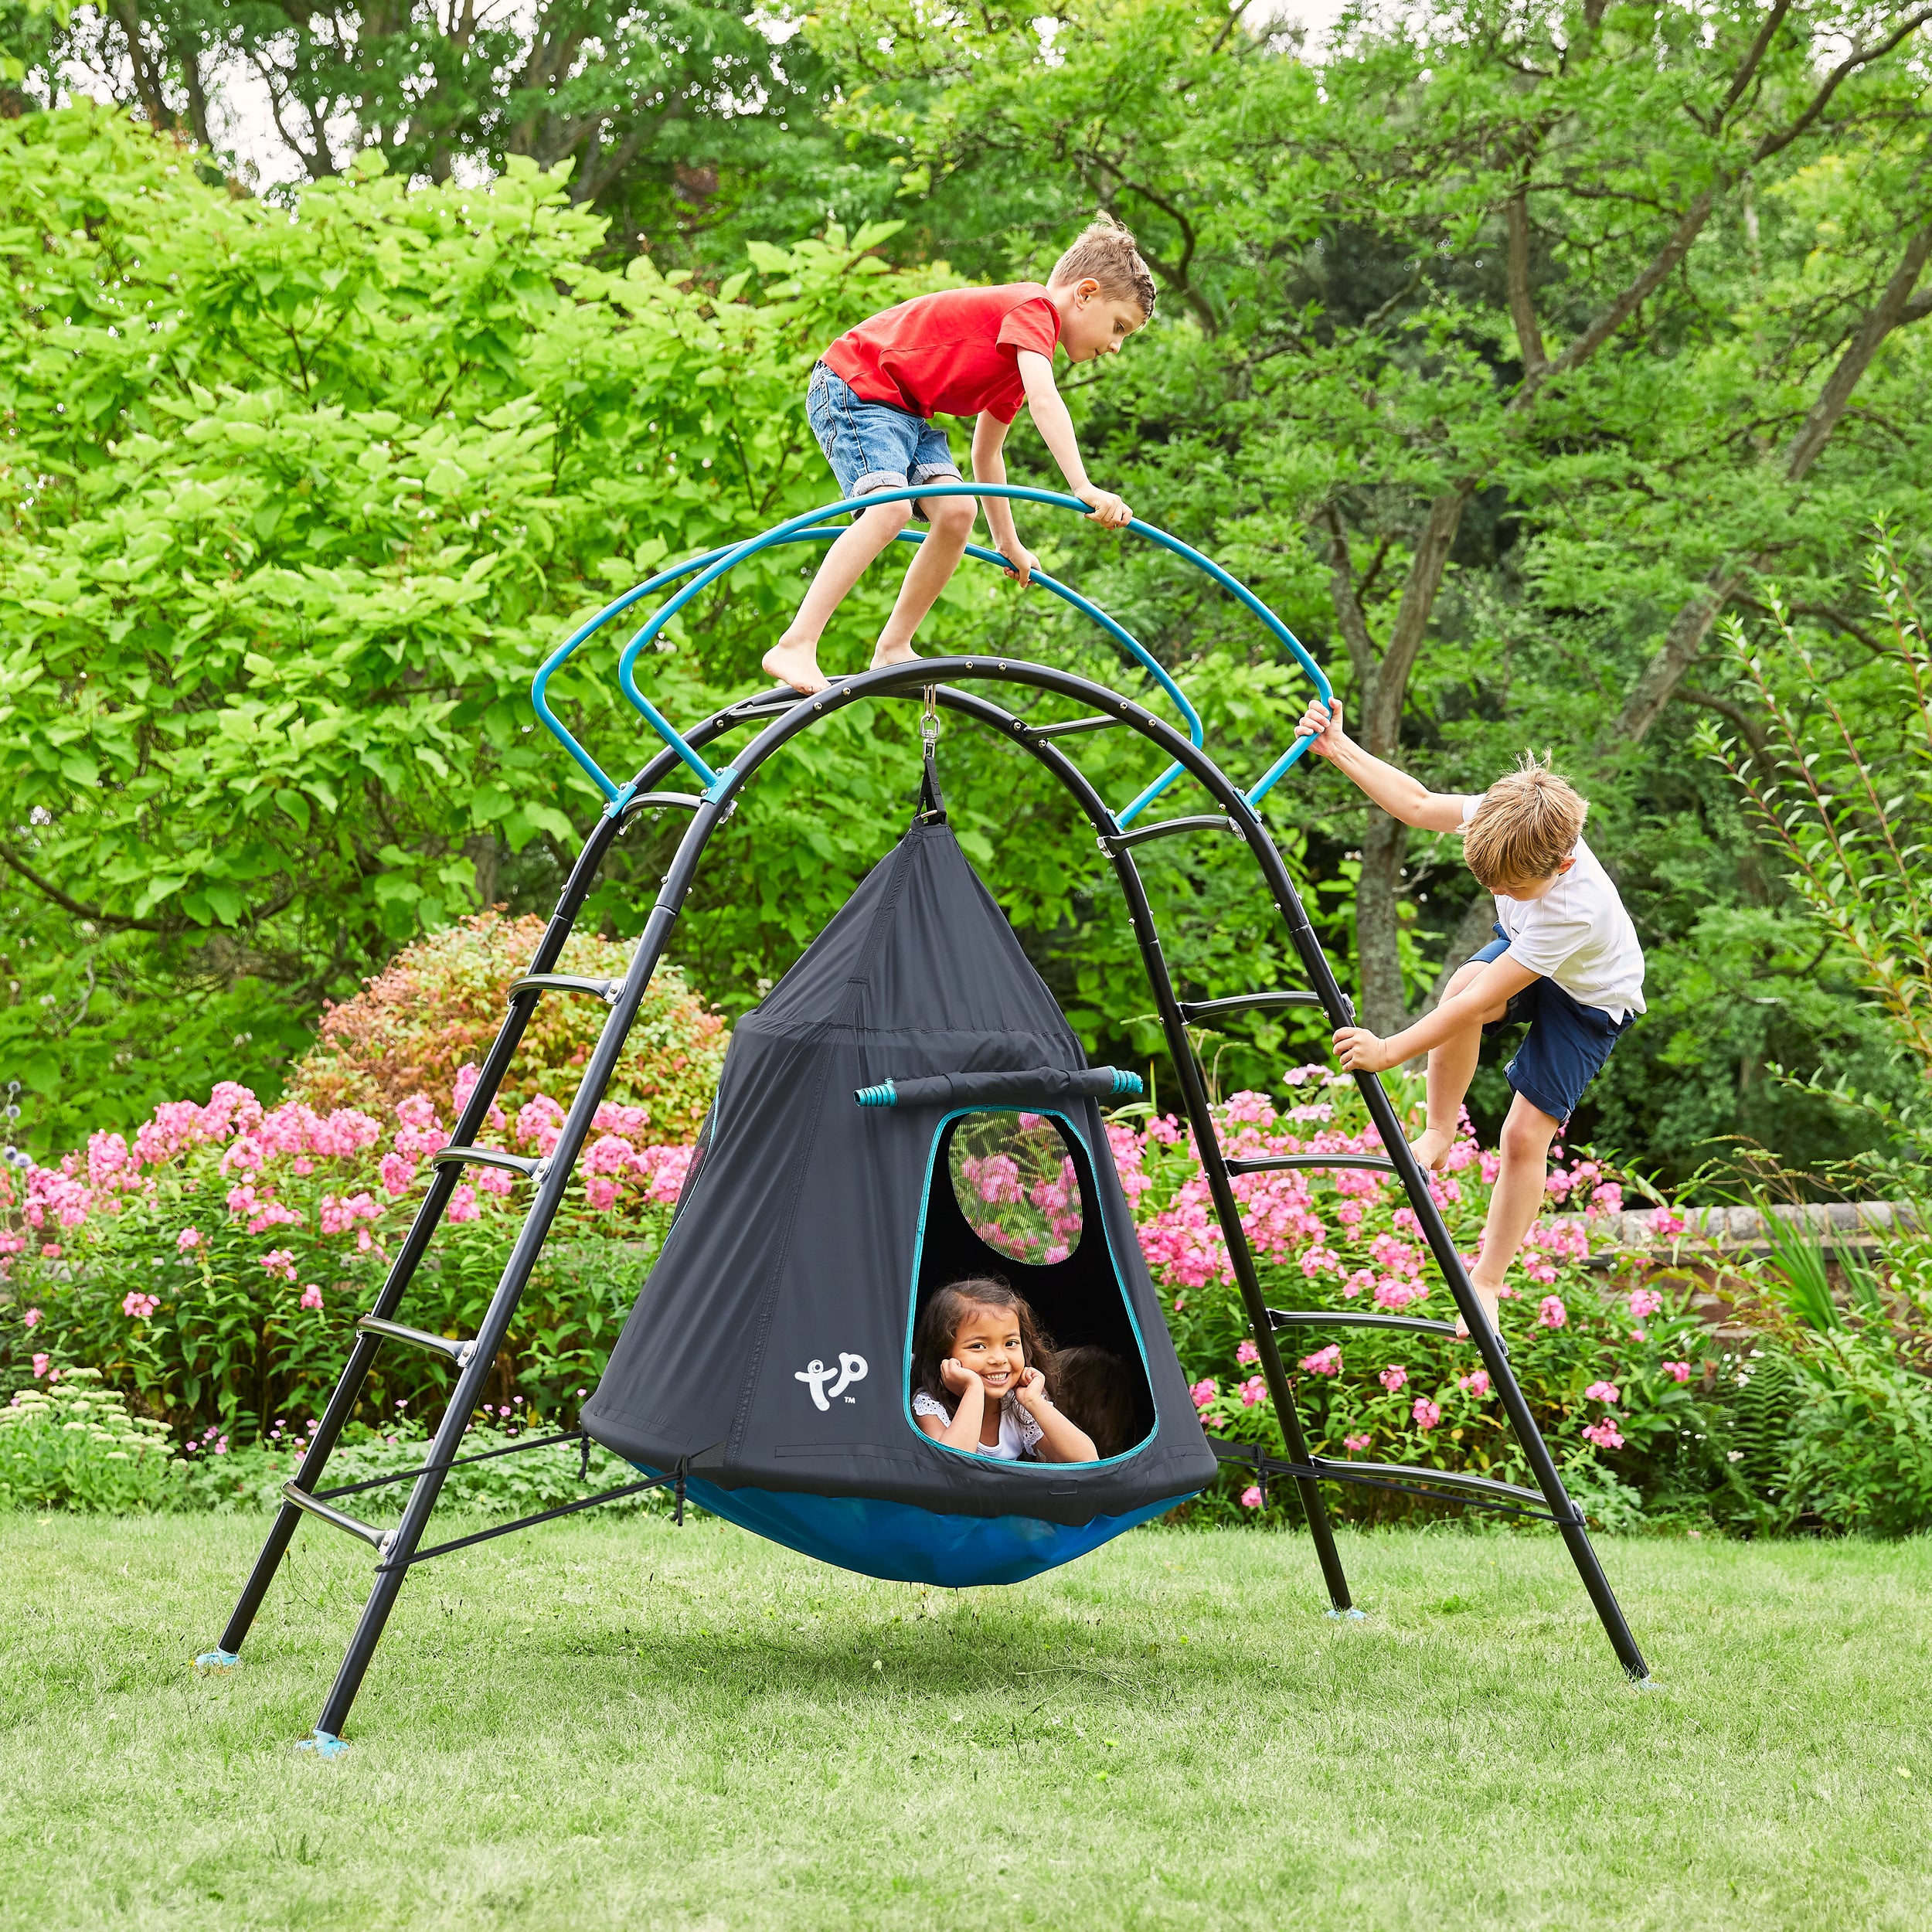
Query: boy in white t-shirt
[[1564, 958]]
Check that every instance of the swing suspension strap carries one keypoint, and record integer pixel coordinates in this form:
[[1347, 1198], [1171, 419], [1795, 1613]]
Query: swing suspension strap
[[932, 804]]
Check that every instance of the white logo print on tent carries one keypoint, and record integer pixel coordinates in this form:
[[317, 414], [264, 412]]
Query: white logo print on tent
[[852, 1368]]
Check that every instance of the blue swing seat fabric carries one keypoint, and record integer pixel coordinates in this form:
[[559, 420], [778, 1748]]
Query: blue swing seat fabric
[[768, 1357], [905, 1544]]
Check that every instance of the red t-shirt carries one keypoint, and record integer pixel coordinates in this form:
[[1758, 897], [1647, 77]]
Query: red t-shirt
[[954, 353]]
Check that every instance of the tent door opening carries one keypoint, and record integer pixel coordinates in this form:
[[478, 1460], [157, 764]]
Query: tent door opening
[[1027, 1180]]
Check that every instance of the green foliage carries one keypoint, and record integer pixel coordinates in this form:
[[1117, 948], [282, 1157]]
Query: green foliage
[[75, 1446]]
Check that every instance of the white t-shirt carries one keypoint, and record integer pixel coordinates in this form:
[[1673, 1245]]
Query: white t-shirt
[[1018, 1431], [1577, 934]]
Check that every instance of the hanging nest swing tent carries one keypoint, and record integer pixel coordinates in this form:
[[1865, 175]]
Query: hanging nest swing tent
[[764, 1369], [822, 1215]]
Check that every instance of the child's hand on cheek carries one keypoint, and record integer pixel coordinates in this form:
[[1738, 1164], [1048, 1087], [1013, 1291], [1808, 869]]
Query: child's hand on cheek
[[1031, 1389], [957, 1377]]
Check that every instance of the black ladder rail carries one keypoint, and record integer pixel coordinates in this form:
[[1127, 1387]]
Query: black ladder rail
[[442, 1184], [398, 1553]]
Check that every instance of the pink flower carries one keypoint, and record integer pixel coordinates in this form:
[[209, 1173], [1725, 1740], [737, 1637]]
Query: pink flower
[[462, 1205], [1253, 1390], [1551, 1313], [1203, 1393], [187, 1238], [1393, 1377], [50, 1251], [1677, 1371], [1477, 1382], [601, 1192], [280, 1261], [31, 1319], [1248, 1352], [1645, 1302], [339, 1214], [1666, 1224], [1600, 1392], [139, 1307], [1603, 1434], [397, 1174], [312, 1296], [1251, 1498], [1353, 1443], [40, 1364], [1324, 1361], [1426, 1413]]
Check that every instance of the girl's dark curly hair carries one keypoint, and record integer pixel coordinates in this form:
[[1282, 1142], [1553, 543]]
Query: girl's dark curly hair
[[942, 1317]]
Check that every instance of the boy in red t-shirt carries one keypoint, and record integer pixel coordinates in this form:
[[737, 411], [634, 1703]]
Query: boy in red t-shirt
[[965, 351]]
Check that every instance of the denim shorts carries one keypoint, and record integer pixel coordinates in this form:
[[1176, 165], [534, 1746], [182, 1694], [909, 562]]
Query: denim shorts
[[872, 447], [1565, 1046]]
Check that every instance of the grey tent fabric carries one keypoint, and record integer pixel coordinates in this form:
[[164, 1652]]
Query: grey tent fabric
[[768, 1349]]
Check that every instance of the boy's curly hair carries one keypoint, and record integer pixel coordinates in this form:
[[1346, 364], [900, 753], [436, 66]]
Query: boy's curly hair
[[1105, 250], [1527, 824]]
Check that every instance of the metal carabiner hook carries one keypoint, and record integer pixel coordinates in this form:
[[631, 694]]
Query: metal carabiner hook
[[929, 717]]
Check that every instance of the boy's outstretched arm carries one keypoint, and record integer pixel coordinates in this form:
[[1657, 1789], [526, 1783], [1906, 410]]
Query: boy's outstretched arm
[[989, 466], [1056, 431], [1398, 794], [1362, 1052]]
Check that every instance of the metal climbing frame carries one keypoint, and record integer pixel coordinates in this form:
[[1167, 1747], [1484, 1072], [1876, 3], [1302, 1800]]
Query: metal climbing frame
[[785, 715]]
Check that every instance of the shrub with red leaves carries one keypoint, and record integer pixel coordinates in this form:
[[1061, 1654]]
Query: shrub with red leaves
[[437, 1006]]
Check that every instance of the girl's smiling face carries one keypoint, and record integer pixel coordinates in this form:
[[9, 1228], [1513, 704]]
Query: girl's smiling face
[[988, 1343]]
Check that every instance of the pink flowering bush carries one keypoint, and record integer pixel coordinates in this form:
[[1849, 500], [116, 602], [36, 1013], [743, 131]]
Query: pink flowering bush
[[1598, 1353], [212, 1266]]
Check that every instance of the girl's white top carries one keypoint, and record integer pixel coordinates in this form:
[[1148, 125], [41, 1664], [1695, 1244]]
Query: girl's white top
[[1577, 934], [1018, 1431]]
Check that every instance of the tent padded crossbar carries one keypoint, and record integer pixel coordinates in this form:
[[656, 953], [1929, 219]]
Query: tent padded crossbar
[[1030, 1087]]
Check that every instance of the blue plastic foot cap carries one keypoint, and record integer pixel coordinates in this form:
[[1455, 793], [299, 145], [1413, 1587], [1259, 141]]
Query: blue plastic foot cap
[[214, 1662], [325, 1744], [1351, 1615]]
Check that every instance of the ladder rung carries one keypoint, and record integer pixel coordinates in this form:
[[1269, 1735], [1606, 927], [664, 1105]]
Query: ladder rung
[[1276, 1163], [1167, 828], [1450, 1479], [486, 1156], [1067, 728], [337, 1518], [458, 1350], [1365, 1318], [603, 989], [689, 800], [1200, 1009]]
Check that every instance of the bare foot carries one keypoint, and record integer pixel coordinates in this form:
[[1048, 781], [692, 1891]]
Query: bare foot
[[887, 653], [1490, 1306], [1431, 1148], [796, 665]]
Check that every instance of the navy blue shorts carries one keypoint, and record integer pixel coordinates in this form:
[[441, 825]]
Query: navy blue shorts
[[1565, 1045]]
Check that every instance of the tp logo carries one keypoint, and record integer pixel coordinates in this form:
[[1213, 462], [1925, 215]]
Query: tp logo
[[852, 1368]]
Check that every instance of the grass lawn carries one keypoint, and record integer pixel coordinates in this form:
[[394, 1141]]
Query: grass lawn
[[618, 1723]]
